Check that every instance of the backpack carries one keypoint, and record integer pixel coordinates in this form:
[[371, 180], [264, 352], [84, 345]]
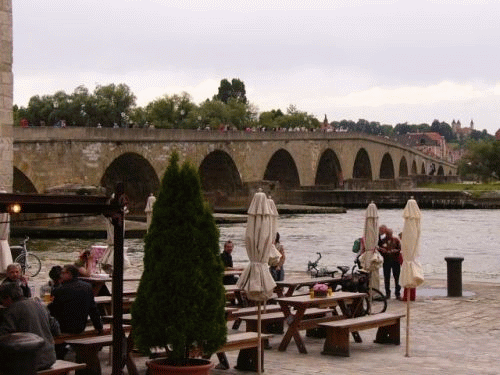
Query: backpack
[[356, 246]]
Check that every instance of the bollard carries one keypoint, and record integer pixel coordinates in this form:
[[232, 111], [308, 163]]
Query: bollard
[[18, 353], [454, 267]]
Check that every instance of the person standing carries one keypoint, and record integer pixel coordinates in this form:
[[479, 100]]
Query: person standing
[[277, 271], [28, 315], [15, 275], [390, 249]]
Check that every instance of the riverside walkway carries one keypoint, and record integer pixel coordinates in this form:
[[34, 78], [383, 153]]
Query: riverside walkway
[[448, 335]]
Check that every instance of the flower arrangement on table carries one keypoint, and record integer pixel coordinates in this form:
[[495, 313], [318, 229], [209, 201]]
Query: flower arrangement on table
[[320, 290]]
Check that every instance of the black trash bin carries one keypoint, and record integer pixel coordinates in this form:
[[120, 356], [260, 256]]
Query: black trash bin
[[18, 353], [454, 268]]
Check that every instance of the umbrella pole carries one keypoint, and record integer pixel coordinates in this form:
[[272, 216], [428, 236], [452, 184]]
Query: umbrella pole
[[259, 345], [407, 324]]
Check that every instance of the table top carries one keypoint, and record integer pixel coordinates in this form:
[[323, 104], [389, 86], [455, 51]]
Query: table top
[[232, 272], [306, 299], [107, 278], [231, 288], [308, 281]]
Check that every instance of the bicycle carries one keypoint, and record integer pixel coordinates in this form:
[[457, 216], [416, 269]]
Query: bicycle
[[358, 280], [30, 263]]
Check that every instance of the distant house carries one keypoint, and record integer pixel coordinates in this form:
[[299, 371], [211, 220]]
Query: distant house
[[497, 135], [430, 143]]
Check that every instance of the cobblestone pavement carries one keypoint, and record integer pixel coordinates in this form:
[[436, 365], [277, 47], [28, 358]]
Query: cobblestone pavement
[[448, 335]]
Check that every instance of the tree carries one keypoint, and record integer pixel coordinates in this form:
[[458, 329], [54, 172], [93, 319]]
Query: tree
[[180, 300], [234, 89], [113, 104], [481, 160]]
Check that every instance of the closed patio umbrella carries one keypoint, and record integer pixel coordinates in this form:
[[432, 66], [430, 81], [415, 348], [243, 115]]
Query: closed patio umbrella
[[411, 271], [256, 280], [369, 261], [149, 209], [5, 254]]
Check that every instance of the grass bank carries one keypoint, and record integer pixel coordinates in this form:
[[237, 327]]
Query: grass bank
[[478, 190]]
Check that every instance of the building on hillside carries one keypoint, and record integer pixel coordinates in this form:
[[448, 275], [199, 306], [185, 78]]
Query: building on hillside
[[430, 143], [326, 126], [497, 135], [460, 132]]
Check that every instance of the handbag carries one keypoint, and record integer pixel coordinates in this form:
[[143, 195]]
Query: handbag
[[274, 256]]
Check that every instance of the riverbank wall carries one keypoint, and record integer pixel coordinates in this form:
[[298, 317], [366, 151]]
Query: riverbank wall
[[388, 198]]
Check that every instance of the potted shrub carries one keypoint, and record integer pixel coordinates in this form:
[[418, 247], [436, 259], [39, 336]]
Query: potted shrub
[[180, 299]]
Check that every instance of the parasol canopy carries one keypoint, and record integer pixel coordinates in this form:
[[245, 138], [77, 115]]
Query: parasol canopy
[[370, 259], [411, 271], [256, 280]]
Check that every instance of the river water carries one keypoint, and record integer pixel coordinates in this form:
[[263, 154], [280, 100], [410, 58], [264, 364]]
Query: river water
[[471, 234]]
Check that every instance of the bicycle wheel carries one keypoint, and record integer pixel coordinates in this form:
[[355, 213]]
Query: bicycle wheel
[[30, 266], [375, 304]]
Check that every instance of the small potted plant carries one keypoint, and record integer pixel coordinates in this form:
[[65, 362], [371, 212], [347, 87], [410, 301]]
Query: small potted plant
[[320, 290], [180, 299]]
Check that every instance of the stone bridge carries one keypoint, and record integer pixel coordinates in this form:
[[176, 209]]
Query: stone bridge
[[229, 162]]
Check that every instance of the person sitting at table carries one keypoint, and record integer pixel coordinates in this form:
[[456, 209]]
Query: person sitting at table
[[15, 275], [55, 277], [73, 302], [227, 259], [28, 315], [84, 263]]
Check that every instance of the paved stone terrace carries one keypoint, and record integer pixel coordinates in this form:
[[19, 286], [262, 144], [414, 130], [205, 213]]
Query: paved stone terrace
[[459, 335]]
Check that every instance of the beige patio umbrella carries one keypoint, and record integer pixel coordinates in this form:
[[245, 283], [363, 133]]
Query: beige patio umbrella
[[5, 253], [411, 271], [274, 254], [149, 208], [370, 261], [256, 280]]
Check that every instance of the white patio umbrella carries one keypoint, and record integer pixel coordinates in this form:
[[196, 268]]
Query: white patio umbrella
[[5, 254], [256, 280], [107, 257], [149, 208], [370, 261], [274, 254], [411, 271]]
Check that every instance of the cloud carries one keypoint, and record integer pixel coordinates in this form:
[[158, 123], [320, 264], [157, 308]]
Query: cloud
[[412, 95]]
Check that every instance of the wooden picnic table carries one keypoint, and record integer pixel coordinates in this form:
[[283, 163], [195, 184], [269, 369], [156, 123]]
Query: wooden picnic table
[[98, 282], [239, 295], [233, 272], [292, 285], [349, 303]]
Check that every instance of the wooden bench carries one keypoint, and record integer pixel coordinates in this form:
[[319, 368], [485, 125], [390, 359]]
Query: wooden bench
[[61, 367], [273, 322], [252, 310], [246, 343], [337, 332], [89, 332], [87, 350]]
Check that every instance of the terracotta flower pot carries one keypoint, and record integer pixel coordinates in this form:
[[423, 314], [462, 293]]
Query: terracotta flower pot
[[195, 366]]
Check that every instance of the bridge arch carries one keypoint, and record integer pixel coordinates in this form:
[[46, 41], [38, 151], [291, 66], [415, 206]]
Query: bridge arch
[[329, 171], [138, 176], [281, 167], [362, 166], [440, 171], [403, 167], [414, 168], [22, 184], [218, 172], [387, 167], [422, 169]]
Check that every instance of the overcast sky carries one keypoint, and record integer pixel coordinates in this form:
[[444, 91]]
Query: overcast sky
[[386, 61]]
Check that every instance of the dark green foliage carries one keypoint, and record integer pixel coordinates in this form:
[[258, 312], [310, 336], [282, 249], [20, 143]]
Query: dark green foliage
[[180, 300]]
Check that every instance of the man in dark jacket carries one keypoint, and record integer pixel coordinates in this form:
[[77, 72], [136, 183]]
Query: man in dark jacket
[[73, 303], [28, 315]]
